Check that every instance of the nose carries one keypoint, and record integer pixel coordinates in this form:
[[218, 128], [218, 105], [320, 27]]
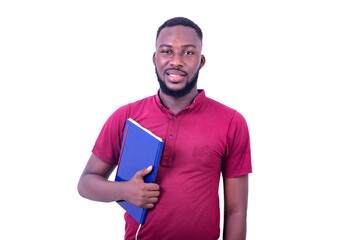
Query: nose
[[176, 60]]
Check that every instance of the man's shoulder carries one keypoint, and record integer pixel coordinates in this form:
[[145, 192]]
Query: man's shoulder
[[218, 106], [224, 111]]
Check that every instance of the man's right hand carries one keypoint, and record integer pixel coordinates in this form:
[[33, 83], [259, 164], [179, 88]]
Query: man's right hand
[[139, 193], [94, 184]]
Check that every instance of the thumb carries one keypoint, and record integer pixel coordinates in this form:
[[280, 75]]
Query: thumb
[[144, 172]]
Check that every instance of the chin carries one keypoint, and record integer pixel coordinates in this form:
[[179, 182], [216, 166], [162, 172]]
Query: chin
[[177, 92]]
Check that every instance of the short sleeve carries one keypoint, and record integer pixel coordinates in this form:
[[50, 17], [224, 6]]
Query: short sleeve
[[237, 160], [108, 144]]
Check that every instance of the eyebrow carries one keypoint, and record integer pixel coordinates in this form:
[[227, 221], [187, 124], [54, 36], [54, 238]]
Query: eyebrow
[[184, 46]]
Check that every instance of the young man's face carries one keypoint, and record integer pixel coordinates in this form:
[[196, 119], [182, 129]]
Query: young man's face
[[178, 59]]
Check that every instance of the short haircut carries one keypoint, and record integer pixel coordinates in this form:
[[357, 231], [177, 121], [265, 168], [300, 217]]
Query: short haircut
[[180, 21]]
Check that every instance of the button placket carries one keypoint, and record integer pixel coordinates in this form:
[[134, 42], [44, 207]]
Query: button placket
[[170, 141]]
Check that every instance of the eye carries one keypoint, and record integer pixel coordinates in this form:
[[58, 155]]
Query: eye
[[188, 53], [166, 51]]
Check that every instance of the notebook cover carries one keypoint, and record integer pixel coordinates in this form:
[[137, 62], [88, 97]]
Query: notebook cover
[[139, 149]]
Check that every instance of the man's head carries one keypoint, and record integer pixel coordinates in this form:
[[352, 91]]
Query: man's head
[[180, 21], [178, 56]]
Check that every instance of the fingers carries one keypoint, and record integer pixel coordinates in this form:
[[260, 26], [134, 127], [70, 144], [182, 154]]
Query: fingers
[[142, 194], [150, 203], [152, 187], [144, 172], [148, 200], [149, 206], [151, 193]]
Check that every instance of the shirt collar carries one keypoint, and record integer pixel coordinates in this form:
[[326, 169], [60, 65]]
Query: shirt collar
[[196, 102]]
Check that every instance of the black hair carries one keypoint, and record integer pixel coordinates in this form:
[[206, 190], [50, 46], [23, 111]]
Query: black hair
[[180, 21]]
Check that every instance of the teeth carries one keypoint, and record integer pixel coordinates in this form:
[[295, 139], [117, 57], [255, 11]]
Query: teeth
[[173, 75]]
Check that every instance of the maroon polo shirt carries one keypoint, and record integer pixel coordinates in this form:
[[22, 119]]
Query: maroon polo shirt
[[201, 141]]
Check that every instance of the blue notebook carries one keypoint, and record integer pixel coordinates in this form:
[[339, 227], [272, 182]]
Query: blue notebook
[[139, 149]]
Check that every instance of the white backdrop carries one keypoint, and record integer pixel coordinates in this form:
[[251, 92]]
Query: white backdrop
[[290, 67]]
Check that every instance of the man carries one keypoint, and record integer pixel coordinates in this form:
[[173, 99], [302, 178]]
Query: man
[[203, 139]]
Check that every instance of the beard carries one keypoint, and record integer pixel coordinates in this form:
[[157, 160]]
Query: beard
[[178, 93]]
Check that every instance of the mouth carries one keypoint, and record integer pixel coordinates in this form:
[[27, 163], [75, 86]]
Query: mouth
[[175, 75]]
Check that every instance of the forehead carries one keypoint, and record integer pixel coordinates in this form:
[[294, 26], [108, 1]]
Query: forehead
[[178, 36]]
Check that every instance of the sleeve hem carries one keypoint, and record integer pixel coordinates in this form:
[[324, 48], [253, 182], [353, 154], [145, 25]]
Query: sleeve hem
[[99, 155], [237, 174]]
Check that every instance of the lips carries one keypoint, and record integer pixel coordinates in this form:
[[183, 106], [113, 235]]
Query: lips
[[175, 75]]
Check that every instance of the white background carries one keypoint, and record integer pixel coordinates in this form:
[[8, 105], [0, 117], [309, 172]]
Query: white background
[[290, 67]]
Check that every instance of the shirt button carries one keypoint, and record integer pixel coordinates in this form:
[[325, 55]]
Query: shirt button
[[170, 137], [174, 118]]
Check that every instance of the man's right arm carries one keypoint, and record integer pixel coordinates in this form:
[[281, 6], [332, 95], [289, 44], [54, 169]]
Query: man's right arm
[[94, 185]]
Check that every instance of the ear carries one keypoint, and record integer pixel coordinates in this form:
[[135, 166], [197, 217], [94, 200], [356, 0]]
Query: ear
[[202, 61], [154, 58]]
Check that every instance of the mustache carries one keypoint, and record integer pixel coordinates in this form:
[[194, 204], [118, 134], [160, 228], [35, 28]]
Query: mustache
[[176, 69]]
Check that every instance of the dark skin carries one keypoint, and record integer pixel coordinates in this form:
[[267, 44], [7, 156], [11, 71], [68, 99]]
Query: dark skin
[[177, 59], [235, 212], [179, 48], [94, 185]]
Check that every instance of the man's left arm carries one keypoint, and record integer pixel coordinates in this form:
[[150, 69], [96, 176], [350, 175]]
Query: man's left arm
[[235, 204]]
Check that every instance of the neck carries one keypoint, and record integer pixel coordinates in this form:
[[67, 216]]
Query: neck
[[176, 104]]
